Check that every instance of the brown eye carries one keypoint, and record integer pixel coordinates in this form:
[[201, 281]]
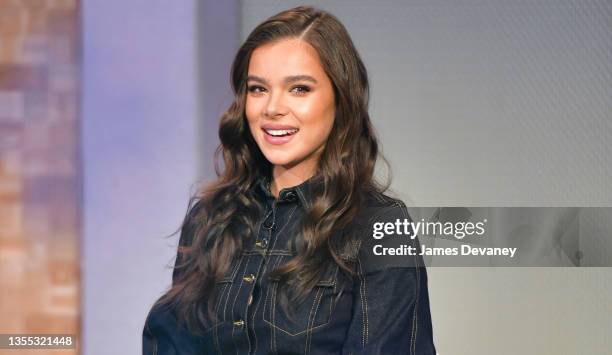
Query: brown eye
[[255, 89], [301, 89]]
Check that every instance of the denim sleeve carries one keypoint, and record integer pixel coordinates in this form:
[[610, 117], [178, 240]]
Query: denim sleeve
[[161, 333], [391, 302]]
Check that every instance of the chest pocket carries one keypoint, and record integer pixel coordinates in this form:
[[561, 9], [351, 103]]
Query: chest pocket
[[313, 313], [223, 289]]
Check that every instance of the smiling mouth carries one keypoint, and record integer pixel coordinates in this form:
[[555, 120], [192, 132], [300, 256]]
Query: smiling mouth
[[281, 132]]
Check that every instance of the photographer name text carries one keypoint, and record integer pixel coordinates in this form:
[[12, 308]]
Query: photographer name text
[[457, 230]]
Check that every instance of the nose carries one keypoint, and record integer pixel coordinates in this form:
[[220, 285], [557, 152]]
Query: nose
[[275, 105]]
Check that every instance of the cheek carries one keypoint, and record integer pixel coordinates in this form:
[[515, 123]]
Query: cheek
[[319, 119], [249, 110], [326, 130], [251, 115]]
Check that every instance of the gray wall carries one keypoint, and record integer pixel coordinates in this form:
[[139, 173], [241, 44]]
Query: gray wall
[[494, 103], [486, 103]]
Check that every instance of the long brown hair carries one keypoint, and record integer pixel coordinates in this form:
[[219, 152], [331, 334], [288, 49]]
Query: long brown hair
[[226, 211]]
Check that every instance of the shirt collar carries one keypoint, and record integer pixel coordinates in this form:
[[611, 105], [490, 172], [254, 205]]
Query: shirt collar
[[304, 192]]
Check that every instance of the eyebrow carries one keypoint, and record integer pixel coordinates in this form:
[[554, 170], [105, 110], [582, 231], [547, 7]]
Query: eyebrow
[[288, 79]]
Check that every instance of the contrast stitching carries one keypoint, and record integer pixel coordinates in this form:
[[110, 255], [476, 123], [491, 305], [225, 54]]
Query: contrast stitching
[[269, 322], [236, 299], [378, 197], [229, 292], [253, 322], [333, 301], [296, 334], [405, 215], [416, 307], [286, 223], [363, 307], [266, 306], [311, 320], [301, 194], [384, 210], [246, 316], [273, 302], [261, 273], [274, 285], [238, 292], [365, 295], [215, 328], [272, 314], [234, 272]]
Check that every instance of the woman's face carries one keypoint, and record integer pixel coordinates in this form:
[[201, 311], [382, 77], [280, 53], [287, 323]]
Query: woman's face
[[290, 104]]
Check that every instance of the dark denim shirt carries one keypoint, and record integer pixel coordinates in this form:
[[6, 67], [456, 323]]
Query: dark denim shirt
[[383, 309]]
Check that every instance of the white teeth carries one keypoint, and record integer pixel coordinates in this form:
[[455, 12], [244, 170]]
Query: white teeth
[[280, 132]]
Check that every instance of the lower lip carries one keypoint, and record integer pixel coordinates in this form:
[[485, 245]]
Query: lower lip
[[278, 140]]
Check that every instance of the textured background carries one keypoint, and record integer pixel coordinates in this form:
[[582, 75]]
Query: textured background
[[477, 103], [39, 168]]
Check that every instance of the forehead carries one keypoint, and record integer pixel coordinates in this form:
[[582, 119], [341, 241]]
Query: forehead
[[285, 57]]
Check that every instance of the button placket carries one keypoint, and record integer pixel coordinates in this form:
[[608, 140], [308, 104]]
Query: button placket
[[264, 240], [251, 277], [289, 196]]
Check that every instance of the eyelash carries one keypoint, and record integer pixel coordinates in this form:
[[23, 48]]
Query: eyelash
[[304, 89]]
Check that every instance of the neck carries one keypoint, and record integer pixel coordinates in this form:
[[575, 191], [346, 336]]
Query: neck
[[283, 177]]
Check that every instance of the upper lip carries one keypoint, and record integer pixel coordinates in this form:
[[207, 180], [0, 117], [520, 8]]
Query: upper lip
[[273, 126]]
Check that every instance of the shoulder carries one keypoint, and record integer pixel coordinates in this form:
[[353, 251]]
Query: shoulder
[[194, 217], [384, 224], [190, 225], [380, 207], [163, 333]]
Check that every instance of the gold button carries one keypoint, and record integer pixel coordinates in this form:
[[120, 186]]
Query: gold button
[[249, 278], [239, 323], [262, 243]]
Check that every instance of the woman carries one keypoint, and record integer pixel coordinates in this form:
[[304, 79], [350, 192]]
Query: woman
[[275, 256]]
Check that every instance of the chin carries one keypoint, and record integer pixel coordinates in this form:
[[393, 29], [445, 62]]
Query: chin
[[279, 159], [282, 162]]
